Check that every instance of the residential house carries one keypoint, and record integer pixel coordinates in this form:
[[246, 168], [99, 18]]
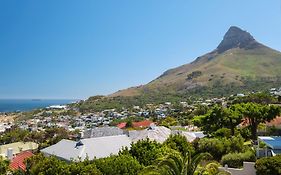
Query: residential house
[[272, 146], [90, 148], [9, 150]]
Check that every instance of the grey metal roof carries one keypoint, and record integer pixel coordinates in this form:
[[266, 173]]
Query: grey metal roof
[[190, 136], [102, 131], [99, 147], [157, 133]]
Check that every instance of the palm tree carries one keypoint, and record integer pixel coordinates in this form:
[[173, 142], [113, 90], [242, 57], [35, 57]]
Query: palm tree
[[211, 168], [177, 164]]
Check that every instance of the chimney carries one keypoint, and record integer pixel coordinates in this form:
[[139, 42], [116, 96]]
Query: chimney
[[10, 153]]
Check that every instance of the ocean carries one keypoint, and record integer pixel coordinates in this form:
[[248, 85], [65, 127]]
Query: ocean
[[12, 105]]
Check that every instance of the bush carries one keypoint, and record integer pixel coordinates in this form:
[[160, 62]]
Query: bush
[[218, 147], [118, 165], [223, 132], [4, 165], [214, 146], [145, 151], [235, 160], [269, 165], [179, 143]]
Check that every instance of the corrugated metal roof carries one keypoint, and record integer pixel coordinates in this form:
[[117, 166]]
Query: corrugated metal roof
[[157, 133], [272, 142], [102, 132], [93, 147]]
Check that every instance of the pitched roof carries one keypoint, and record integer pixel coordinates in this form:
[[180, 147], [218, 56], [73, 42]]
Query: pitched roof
[[191, 136], [18, 161], [142, 124], [273, 142], [102, 131], [157, 133], [93, 147], [122, 125]]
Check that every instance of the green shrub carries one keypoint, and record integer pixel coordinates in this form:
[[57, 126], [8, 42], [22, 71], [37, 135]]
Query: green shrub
[[235, 160], [218, 147], [145, 151], [223, 132], [269, 165], [179, 143], [118, 165]]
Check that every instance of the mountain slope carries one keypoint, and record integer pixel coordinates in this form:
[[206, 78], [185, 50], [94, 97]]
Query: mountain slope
[[239, 63]]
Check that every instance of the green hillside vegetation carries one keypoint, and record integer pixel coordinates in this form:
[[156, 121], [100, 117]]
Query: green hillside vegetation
[[239, 64]]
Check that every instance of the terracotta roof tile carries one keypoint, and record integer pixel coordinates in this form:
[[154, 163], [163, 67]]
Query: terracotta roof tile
[[122, 125], [142, 124], [274, 122], [18, 161]]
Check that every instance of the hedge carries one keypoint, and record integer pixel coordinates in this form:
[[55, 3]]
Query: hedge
[[269, 165], [235, 160]]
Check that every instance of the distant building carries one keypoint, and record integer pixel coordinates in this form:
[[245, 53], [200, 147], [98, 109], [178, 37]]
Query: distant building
[[57, 107], [240, 95], [141, 124], [121, 125]]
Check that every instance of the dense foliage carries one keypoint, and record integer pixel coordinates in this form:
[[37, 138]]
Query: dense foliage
[[269, 165], [145, 151], [50, 165], [251, 113], [235, 160], [219, 117], [258, 113], [180, 144], [44, 138], [218, 147], [4, 164], [123, 164]]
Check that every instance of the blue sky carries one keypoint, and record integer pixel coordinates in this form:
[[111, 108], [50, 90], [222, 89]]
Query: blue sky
[[76, 49]]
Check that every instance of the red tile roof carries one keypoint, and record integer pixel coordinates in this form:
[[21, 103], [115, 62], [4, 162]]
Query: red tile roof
[[18, 161], [122, 125], [274, 122], [142, 124]]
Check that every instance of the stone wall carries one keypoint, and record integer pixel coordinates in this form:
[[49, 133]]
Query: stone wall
[[248, 169]]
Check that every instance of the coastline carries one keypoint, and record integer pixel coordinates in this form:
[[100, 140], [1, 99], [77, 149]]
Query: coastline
[[24, 105]]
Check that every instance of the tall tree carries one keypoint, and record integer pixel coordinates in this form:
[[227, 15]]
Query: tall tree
[[179, 142], [261, 98], [219, 117], [255, 114]]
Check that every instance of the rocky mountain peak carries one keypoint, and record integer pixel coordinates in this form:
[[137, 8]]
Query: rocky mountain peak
[[237, 38]]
